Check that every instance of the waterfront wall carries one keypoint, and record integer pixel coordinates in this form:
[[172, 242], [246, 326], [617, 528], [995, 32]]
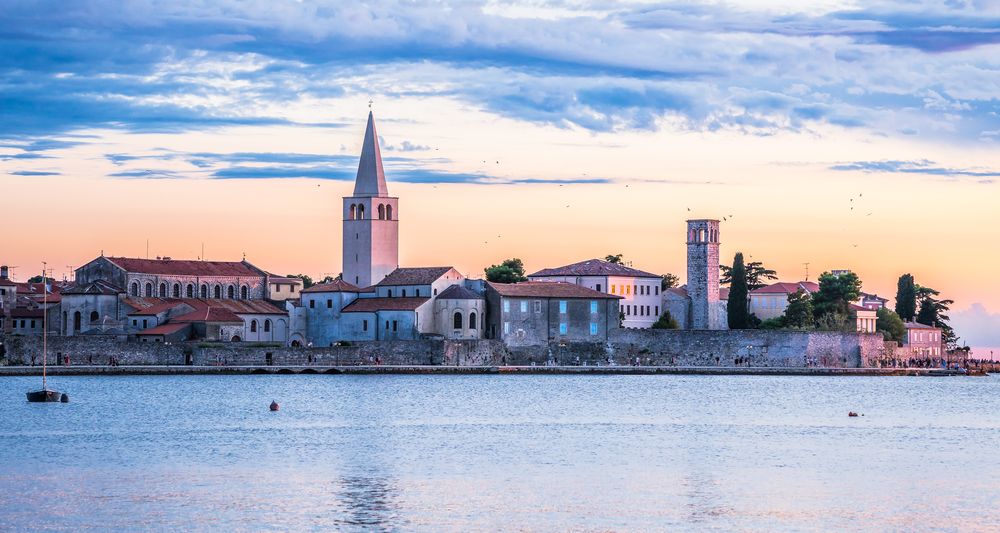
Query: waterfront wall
[[756, 348]]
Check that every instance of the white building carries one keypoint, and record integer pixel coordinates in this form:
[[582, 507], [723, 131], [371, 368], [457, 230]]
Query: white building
[[640, 302]]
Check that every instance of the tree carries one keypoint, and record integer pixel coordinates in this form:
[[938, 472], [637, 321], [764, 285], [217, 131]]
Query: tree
[[306, 280], [669, 281], [756, 275], [799, 313], [665, 322], [932, 313], [616, 259], [890, 325], [906, 297], [738, 311], [835, 295], [509, 271], [38, 279], [926, 315]]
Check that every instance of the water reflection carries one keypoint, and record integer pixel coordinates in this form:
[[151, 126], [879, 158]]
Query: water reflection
[[368, 501]]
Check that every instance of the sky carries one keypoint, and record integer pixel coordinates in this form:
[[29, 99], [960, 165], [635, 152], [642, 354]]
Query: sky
[[842, 134]]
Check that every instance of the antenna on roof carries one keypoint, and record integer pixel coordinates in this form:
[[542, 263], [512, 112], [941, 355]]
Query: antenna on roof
[[807, 271]]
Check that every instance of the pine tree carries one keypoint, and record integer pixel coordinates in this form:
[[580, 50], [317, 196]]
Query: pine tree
[[738, 312], [906, 298], [665, 322], [928, 313]]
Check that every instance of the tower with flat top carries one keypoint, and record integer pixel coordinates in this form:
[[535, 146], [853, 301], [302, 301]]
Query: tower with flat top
[[703, 273], [371, 219]]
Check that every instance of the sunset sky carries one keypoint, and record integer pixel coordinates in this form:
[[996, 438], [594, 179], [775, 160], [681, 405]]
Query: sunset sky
[[860, 135]]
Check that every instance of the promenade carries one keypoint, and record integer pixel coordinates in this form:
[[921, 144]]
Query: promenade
[[144, 370]]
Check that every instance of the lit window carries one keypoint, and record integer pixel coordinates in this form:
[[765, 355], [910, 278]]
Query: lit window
[[562, 328], [613, 287], [506, 306], [506, 328], [524, 306], [593, 328], [562, 307], [593, 306]]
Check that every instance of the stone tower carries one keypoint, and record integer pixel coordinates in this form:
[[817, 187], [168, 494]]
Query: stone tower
[[371, 219], [703, 273]]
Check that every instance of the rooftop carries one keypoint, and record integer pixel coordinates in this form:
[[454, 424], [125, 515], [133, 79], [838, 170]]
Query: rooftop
[[338, 285], [165, 329], [594, 267], [370, 305], [186, 267], [784, 287], [917, 325], [99, 287], [547, 289], [414, 276], [458, 292]]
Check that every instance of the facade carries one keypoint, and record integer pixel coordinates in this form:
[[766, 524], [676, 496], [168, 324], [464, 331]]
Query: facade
[[283, 288], [640, 301], [174, 278], [677, 301], [703, 274], [319, 316], [539, 312], [923, 341], [872, 301], [865, 319], [371, 219], [459, 313], [771, 301]]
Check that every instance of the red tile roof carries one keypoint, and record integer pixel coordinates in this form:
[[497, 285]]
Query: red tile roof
[[547, 289], [414, 276], [187, 267], [917, 325], [594, 267], [370, 305], [338, 285], [783, 287], [6, 282], [21, 312], [158, 308], [209, 314], [165, 329]]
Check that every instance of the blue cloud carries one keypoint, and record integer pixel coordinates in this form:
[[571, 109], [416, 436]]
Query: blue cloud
[[33, 173], [921, 166]]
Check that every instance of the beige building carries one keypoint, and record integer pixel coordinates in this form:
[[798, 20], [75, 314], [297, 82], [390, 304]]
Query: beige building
[[771, 301]]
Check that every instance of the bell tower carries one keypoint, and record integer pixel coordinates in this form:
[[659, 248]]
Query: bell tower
[[703, 273], [371, 219]]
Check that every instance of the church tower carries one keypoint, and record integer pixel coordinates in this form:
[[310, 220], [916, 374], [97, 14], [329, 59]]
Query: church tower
[[371, 219], [703, 273]]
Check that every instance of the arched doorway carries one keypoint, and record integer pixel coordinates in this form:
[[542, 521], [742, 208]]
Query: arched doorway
[[236, 338]]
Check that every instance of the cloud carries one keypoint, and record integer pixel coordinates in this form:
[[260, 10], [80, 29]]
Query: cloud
[[33, 173], [405, 146], [921, 166], [977, 326]]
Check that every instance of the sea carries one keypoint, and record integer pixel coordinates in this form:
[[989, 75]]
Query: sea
[[502, 453]]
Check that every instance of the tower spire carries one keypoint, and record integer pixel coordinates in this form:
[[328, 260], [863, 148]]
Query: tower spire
[[371, 178]]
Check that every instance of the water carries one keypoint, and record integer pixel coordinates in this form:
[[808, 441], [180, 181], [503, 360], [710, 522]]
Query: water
[[488, 453]]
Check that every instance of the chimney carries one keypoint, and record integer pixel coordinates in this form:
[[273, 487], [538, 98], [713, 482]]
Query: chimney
[[3, 272]]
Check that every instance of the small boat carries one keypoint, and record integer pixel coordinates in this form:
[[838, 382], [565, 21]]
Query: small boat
[[46, 394]]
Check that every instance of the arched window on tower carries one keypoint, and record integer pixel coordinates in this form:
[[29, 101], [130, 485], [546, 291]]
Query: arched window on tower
[[163, 290], [177, 290], [388, 212], [135, 289], [94, 317], [691, 236], [457, 320], [244, 292], [701, 235], [218, 292], [149, 290], [354, 211], [361, 212], [231, 292], [253, 326], [204, 290], [381, 211], [189, 291], [472, 320]]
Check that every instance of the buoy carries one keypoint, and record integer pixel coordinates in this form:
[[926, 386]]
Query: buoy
[[64, 398], [274, 405], [852, 413]]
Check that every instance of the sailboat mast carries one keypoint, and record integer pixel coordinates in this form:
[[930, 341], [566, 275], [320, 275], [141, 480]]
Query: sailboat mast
[[45, 326]]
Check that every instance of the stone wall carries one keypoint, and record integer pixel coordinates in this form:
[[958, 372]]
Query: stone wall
[[653, 347]]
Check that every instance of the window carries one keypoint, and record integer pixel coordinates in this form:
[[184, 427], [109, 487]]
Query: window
[[656, 290], [472, 320], [593, 328], [402, 292], [435, 292], [149, 290], [593, 307], [387, 325], [218, 292], [506, 328], [524, 306], [628, 290], [562, 328], [244, 292], [656, 310], [388, 293], [388, 212], [381, 211], [506, 306], [135, 323], [598, 289], [94, 317], [32, 324], [267, 326], [312, 304], [354, 211], [231, 292], [613, 288], [364, 325], [253, 326], [204, 291], [134, 292], [394, 325], [163, 290], [361, 212], [144, 323], [562, 307], [538, 306], [177, 290], [457, 320], [417, 291], [190, 291], [329, 303]]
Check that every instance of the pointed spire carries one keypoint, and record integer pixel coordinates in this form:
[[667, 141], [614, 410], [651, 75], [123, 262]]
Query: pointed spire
[[371, 177]]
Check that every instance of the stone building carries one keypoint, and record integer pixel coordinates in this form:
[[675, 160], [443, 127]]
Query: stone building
[[640, 301], [922, 341], [772, 300], [539, 312], [460, 313], [174, 278], [371, 219], [318, 318], [703, 273]]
